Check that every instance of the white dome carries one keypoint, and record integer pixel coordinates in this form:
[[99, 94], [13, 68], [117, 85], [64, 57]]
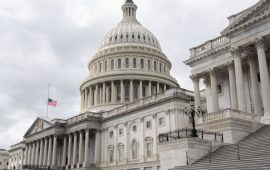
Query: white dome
[[130, 32]]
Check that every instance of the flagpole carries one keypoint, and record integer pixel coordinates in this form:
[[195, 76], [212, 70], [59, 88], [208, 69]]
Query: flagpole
[[47, 100]]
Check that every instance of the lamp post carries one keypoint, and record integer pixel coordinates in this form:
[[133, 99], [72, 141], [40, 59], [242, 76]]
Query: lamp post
[[191, 112]]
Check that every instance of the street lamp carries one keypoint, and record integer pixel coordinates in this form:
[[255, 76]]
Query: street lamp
[[191, 112]]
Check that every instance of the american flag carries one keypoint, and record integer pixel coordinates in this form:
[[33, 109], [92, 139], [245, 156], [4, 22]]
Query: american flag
[[52, 102]]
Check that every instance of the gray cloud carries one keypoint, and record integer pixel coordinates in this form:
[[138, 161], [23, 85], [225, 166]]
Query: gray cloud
[[52, 41]]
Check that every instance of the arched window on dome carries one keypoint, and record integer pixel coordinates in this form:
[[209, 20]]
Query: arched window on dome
[[134, 149], [112, 64], [119, 63], [133, 36], [106, 65], [127, 62], [155, 65], [100, 67], [142, 63], [160, 67], [134, 63], [149, 64], [139, 37], [144, 38], [164, 69]]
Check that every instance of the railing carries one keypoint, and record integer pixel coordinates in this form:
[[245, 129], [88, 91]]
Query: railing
[[83, 116], [209, 45], [187, 133], [226, 113]]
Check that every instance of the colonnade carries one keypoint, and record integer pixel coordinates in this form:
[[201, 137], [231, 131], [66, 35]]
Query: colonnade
[[41, 152], [236, 82], [78, 149], [119, 92]]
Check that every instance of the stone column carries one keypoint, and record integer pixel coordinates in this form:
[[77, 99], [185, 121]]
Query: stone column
[[131, 97], [265, 83], [85, 98], [113, 96], [69, 148], [74, 149], [49, 160], [104, 93], [26, 154], [126, 148], [122, 92], [86, 149], [22, 158], [45, 153], [54, 151], [80, 149], [255, 90], [91, 102], [197, 97], [141, 141], [97, 148], [41, 153], [240, 81], [232, 84], [29, 154], [140, 90], [155, 151], [150, 88], [165, 87], [107, 94], [82, 99], [33, 153], [96, 95], [157, 87], [213, 80], [64, 151], [37, 152]]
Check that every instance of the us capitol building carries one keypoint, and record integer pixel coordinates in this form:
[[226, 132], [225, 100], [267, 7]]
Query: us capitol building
[[133, 114], [128, 98]]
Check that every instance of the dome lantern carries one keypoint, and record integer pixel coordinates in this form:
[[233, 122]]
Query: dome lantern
[[129, 11]]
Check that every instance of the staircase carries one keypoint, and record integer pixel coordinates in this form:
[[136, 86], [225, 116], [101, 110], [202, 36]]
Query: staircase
[[253, 154]]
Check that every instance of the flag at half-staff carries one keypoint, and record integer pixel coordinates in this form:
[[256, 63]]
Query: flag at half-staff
[[52, 102]]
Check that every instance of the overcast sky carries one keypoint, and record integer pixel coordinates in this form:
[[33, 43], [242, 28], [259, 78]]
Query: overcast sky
[[51, 41]]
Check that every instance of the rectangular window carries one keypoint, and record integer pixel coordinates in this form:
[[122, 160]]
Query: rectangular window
[[149, 64], [149, 149], [155, 65], [119, 63], [127, 63], [106, 63], [112, 64], [159, 67], [219, 89], [111, 155], [111, 134], [142, 63], [148, 124], [120, 132], [134, 63], [161, 121], [121, 153], [100, 67]]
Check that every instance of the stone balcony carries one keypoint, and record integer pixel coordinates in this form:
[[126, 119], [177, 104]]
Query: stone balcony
[[209, 45]]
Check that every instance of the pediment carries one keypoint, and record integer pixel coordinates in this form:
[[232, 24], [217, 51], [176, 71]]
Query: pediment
[[38, 125], [260, 9]]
